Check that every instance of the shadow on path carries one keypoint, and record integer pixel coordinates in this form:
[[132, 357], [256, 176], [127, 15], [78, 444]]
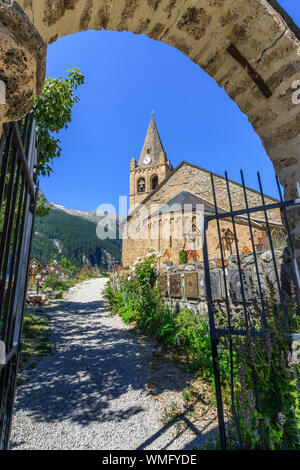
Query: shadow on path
[[95, 361]]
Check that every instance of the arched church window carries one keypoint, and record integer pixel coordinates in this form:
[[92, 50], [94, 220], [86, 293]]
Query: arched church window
[[141, 186], [154, 182]]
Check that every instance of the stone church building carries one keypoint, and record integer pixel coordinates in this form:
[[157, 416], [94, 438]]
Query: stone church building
[[166, 208]]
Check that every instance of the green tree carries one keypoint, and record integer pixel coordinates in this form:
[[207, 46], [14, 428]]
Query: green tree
[[52, 113], [41, 209]]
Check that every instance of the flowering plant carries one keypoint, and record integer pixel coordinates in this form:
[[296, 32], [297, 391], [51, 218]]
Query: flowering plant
[[48, 290], [143, 270], [35, 301], [138, 299]]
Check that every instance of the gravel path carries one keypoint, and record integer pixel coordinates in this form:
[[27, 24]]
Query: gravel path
[[95, 390]]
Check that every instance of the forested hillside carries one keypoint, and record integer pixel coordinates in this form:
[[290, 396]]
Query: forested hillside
[[60, 235]]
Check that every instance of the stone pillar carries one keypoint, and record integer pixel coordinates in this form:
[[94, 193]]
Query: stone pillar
[[284, 148], [290, 179], [22, 62]]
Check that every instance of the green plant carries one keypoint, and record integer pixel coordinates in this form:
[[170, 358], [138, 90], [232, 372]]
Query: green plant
[[192, 339], [172, 413], [35, 338], [183, 257], [105, 274], [67, 266], [52, 112], [266, 397], [41, 209], [55, 284], [270, 365], [187, 336], [138, 301]]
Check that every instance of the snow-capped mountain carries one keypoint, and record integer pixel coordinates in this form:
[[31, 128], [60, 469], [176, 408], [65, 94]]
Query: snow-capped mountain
[[109, 219]]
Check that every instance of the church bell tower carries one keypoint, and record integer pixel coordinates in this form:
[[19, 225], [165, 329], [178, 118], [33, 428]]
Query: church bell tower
[[151, 169]]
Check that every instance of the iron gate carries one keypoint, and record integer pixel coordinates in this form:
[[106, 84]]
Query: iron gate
[[18, 196], [252, 324]]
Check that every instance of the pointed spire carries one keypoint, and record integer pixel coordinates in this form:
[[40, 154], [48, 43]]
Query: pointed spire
[[152, 147]]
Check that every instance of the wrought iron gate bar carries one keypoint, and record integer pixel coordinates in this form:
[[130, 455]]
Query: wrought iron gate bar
[[226, 337], [265, 322], [233, 407], [282, 306], [243, 298], [214, 342], [222, 215], [12, 285], [291, 245], [220, 332], [12, 352], [23, 158], [237, 252], [18, 196]]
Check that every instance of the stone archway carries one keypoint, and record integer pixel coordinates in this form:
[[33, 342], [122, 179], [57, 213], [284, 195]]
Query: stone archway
[[250, 47]]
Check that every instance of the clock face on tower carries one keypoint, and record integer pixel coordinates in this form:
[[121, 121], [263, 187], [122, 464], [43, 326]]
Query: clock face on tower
[[147, 160]]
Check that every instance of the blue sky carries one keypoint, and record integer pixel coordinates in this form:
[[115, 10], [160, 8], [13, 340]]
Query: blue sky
[[128, 76]]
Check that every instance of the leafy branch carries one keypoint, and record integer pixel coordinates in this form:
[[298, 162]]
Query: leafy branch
[[52, 113]]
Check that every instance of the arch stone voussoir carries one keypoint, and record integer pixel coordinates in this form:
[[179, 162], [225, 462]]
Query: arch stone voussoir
[[22, 61], [250, 47]]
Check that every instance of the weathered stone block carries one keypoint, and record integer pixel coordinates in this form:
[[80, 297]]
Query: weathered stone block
[[215, 283], [175, 285], [238, 283], [191, 285], [163, 281]]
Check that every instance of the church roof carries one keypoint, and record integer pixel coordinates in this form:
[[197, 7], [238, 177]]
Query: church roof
[[149, 196], [152, 145], [177, 204]]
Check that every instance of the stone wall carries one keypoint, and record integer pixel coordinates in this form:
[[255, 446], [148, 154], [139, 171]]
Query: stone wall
[[132, 249], [183, 286]]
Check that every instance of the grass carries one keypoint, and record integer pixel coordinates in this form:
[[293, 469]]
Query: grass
[[35, 340], [173, 415]]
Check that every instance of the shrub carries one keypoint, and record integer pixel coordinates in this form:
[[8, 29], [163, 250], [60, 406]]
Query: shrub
[[183, 257], [269, 362], [138, 301], [55, 284]]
